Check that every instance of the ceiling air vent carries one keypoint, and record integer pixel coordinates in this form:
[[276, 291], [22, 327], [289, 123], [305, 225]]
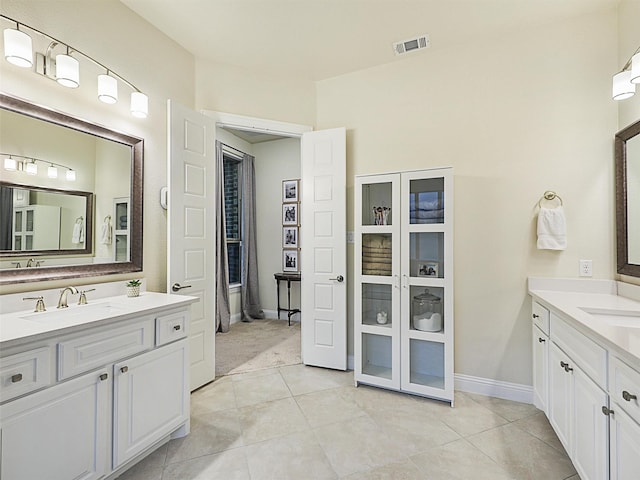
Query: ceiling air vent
[[406, 46]]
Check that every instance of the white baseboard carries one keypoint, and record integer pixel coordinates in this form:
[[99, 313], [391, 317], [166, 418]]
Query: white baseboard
[[235, 318], [494, 388]]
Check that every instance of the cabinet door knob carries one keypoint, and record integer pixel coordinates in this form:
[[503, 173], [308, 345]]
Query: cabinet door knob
[[16, 378], [535, 316], [541, 340], [103, 377], [628, 396], [564, 364], [124, 369], [607, 411], [176, 327]]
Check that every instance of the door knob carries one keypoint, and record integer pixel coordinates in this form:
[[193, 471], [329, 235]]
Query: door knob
[[176, 287], [339, 278]]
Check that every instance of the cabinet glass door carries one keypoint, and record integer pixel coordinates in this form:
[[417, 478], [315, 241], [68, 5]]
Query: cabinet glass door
[[426, 201]]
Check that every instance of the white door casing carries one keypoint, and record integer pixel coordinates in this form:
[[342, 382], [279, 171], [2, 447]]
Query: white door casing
[[191, 230], [323, 249]]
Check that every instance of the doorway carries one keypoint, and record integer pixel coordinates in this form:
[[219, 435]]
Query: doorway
[[270, 342]]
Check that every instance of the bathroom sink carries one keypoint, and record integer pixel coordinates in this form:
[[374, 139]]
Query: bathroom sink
[[616, 318], [98, 310]]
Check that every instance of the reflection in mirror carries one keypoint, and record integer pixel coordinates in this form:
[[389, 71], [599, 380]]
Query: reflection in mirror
[[628, 200], [44, 221], [40, 227]]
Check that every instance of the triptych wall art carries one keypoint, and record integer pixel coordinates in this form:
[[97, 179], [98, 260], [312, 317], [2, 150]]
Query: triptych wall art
[[291, 225]]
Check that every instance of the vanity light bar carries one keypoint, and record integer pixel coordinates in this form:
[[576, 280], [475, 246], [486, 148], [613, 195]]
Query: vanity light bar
[[30, 167], [18, 50], [625, 81]]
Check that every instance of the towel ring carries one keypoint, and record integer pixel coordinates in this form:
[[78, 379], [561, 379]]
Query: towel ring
[[550, 195], [107, 219], [79, 219]]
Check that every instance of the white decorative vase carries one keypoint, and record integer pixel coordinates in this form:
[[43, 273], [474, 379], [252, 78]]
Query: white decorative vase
[[133, 291]]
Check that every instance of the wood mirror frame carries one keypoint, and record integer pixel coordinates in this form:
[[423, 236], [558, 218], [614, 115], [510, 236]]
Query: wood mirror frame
[[622, 217], [23, 275]]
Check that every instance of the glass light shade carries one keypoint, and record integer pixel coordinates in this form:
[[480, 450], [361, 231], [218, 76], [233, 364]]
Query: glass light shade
[[107, 89], [17, 48], [10, 164], [31, 168], [71, 175], [635, 68], [139, 105], [67, 71], [622, 86], [52, 172]]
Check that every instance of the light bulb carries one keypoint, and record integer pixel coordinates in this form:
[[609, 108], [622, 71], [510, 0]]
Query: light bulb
[[52, 172], [71, 175], [107, 89], [67, 71], [31, 168], [635, 68], [139, 105], [622, 86], [17, 48], [10, 164]]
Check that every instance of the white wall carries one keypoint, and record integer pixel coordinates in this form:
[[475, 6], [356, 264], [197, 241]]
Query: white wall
[[114, 35], [514, 116]]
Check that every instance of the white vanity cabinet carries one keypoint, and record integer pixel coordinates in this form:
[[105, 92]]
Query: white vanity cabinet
[[60, 433], [114, 391], [540, 348], [624, 388], [404, 282], [144, 406], [591, 404]]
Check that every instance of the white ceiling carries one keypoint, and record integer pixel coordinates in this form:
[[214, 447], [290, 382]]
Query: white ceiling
[[318, 39]]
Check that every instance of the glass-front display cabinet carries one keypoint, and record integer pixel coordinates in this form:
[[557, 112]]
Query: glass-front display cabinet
[[404, 282]]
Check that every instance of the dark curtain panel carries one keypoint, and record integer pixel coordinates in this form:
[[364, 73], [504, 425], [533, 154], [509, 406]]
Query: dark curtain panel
[[6, 217], [251, 308]]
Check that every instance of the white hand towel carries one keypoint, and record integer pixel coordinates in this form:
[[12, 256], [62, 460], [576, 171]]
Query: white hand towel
[[105, 233], [552, 229], [78, 233]]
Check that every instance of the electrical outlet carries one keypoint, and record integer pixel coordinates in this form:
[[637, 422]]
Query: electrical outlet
[[586, 268]]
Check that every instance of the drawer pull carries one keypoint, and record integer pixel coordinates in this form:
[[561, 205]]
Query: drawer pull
[[566, 366], [628, 396], [124, 369], [541, 340], [176, 327], [607, 411], [535, 316], [103, 377], [16, 378]]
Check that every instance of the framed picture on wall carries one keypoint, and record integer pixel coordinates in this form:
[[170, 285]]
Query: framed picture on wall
[[290, 237], [290, 260], [290, 214], [290, 190]]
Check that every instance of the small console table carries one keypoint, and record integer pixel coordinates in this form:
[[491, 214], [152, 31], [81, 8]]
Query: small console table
[[288, 277]]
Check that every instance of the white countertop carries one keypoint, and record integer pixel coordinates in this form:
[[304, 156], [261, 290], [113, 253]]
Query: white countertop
[[623, 340], [25, 326]]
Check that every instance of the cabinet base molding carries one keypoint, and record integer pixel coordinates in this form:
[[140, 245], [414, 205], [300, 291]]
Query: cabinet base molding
[[494, 388], [138, 458]]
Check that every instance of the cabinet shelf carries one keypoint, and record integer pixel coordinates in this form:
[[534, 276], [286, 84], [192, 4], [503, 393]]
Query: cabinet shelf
[[377, 329], [437, 337]]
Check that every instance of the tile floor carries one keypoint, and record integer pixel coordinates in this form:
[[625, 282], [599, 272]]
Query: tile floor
[[298, 422]]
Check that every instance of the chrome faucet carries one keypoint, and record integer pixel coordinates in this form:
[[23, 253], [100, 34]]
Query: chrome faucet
[[62, 302], [30, 262]]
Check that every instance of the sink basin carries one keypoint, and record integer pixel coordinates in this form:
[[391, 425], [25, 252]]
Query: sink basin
[[616, 318], [98, 310]]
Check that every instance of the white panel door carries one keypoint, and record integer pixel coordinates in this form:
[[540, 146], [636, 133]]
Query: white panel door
[[323, 249], [191, 226]]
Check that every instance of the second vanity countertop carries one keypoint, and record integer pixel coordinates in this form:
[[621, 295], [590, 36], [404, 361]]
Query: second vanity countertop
[[571, 299], [25, 326]]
